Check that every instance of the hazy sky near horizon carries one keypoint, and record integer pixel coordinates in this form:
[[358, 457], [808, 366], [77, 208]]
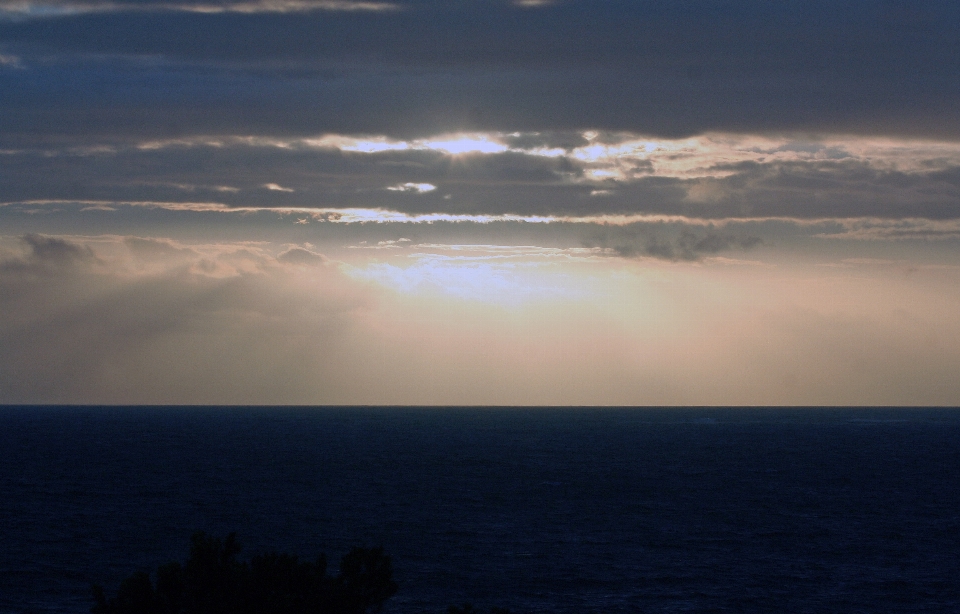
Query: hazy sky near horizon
[[480, 202]]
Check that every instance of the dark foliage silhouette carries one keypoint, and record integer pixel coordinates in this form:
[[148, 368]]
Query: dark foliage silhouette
[[215, 581]]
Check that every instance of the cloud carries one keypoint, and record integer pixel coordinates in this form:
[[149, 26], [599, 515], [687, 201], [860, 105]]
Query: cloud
[[46, 255], [873, 229], [10, 60], [83, 322], [545, 141], [301, 256], [419, 188], [673, 242], [56, 251], [44, 9], [658, 68], [213, 140], [711, 177], [148, 249], [158, 320]]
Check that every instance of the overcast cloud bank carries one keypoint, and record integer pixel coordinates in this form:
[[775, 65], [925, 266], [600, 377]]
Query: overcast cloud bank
[[479, 201], [660, 68]]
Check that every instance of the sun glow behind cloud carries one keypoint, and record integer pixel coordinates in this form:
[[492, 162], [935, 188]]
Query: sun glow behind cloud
[[687, 332], [450, 144], [586, 304], [402, 321], [466, 144], [494, 274]]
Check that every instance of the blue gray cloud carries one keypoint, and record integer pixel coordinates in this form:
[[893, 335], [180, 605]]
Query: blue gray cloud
[[659, 67], [522, 174]]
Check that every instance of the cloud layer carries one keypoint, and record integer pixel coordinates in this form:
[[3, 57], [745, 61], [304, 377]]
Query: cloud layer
[[520, 174], [145, 320], [660, 67], [479, 201], [151, 320]]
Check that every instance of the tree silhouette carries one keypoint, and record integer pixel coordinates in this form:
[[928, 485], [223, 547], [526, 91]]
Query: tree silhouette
[[215, 581]]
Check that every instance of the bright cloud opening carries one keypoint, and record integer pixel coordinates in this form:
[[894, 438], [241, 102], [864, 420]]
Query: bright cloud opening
[[466, 144], [419, 188]]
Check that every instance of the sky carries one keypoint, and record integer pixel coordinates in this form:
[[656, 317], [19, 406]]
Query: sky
[[493, 202]]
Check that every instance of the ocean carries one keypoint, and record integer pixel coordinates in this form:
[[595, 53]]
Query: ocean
[[539, 510]]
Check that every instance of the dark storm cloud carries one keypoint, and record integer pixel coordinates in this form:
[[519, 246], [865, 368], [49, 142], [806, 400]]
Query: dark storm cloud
[[658, 67]]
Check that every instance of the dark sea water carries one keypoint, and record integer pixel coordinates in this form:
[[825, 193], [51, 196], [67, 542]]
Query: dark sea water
[[537, 510]]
